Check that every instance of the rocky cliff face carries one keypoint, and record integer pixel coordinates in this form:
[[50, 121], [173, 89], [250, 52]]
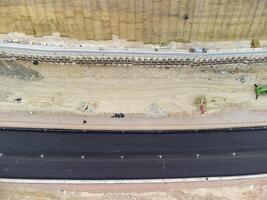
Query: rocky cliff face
[[150, 21]]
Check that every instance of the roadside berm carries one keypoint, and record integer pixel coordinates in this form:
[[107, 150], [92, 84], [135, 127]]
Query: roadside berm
[[251, 189]]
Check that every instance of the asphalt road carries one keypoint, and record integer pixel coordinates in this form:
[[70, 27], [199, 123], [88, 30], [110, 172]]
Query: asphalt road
[[96, 155], [43, 50]]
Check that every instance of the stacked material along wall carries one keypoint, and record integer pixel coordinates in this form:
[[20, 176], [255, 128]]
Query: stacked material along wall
[[150, 21]]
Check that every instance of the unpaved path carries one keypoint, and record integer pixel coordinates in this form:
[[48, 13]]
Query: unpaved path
[[251, 189]]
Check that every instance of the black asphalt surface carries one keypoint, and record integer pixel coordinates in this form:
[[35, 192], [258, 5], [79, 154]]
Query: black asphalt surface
[[96, 155]]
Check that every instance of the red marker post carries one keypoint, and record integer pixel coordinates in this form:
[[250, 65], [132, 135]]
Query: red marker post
[[202, 106]]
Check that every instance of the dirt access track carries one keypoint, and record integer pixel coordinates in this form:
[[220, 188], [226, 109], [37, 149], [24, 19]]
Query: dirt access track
[[81, 96]]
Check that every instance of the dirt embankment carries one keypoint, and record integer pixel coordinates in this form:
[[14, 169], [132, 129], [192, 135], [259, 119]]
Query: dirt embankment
[[13, 69], [154, 22]]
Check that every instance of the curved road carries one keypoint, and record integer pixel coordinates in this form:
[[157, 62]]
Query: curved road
[[52, 51], [98, 155]]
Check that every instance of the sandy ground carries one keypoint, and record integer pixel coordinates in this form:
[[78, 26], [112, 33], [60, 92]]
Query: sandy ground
[[252, 189], [147, 96]]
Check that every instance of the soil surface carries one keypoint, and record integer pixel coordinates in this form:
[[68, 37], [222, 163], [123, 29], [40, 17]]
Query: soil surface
[[250, 189], [144, 95]]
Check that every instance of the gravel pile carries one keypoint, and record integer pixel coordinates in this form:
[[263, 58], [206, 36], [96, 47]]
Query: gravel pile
[[122, 196], [88, 108], [156, 111]]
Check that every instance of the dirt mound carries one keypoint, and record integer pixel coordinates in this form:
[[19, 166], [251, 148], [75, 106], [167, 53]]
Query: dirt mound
[[16, 70]]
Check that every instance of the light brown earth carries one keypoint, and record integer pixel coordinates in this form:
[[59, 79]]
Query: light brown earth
[[66, 95], [58, 95], [251, 189]]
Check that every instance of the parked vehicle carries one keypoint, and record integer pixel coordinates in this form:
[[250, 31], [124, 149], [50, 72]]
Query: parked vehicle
[[198, 50], [118, 115]]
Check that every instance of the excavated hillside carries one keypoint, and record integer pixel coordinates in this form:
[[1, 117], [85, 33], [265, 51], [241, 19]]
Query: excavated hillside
[[149, 21]]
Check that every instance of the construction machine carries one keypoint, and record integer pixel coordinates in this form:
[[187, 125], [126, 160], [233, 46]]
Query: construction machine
[[260, 90]]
